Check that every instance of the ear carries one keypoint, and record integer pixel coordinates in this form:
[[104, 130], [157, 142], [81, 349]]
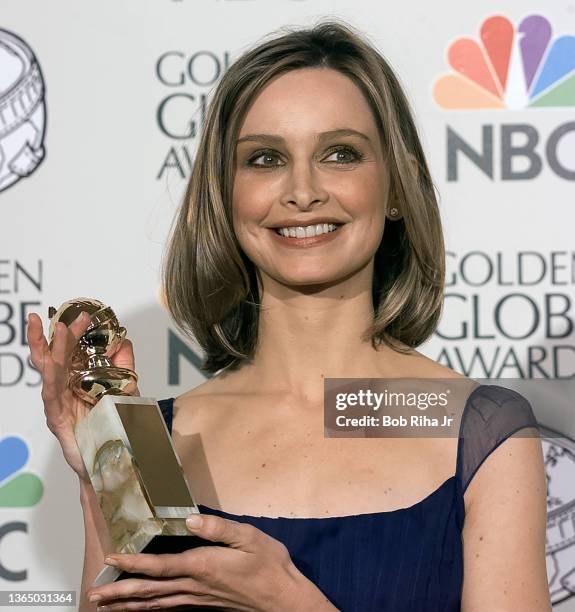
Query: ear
[[394, 211]]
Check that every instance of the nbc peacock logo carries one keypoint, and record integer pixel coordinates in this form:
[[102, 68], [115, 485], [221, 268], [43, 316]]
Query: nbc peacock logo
[[509, 67], [17, 488]]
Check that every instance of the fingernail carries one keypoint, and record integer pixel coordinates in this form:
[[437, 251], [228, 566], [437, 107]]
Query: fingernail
[[194, 521], [110, 561], [94, 597]]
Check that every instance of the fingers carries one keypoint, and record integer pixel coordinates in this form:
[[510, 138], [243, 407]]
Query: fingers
[[145, 589], [124, 356], [173, 601], [59, 343], [41, 358], [36, 341], [217, 529], [51, 360], [79, 325], [157, 566], [67, 336]]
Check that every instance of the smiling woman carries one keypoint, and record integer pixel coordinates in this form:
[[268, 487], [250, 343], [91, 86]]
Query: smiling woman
[[369, 153], [309, 246]]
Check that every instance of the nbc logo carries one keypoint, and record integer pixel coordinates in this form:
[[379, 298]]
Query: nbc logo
[[509, 67], [17, 488]]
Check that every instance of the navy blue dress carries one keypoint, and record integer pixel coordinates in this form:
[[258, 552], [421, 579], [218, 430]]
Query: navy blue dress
[[405, 560]]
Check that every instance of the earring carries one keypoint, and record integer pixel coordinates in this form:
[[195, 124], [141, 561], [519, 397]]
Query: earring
[[393, 212]]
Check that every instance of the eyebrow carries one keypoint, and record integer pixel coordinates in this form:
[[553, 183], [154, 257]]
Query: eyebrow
[[322, 136]]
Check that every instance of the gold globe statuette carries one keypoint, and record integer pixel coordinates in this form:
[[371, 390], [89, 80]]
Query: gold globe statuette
[[92, 373], [125, 444]]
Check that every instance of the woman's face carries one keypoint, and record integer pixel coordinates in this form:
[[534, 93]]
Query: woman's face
[[309, 152]]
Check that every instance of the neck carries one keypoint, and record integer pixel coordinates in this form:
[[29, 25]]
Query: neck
[[316, 333]]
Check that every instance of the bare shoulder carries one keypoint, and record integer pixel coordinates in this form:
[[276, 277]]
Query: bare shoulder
[[416, 365], [214, 392], [208, 388], [424, 366]]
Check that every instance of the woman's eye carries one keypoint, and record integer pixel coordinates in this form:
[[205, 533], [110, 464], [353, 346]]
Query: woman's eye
[[346, 155], [266, 157]]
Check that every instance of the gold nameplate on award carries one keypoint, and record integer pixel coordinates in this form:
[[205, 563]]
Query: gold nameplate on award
[[125, 444]]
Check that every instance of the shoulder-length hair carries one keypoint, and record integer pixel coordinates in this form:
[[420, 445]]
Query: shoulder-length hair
[[211, 288]]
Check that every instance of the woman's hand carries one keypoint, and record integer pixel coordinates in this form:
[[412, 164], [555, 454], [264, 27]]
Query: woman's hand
[[255, 572], [63, 409]]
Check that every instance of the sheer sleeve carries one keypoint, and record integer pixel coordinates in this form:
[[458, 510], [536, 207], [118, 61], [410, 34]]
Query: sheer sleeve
[[492, 414]]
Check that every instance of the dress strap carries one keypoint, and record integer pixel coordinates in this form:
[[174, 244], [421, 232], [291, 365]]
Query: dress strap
[[492, 414], [167, 408]]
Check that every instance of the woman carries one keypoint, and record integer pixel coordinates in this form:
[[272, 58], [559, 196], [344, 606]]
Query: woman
[[311, 130]]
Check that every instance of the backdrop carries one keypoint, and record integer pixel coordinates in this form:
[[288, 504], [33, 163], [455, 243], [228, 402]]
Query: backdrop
[[100, 108]]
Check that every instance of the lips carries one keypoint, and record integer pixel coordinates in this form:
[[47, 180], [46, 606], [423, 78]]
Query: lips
[[277, 229], [305, 222], [307, 241]]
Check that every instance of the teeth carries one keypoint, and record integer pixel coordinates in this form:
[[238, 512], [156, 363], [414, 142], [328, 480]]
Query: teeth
[[307, 231]]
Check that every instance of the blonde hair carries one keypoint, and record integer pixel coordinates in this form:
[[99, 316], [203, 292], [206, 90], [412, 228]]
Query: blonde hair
[[211, 287]]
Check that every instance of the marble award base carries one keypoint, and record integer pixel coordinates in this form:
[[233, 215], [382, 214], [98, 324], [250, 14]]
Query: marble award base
[[137, 477]]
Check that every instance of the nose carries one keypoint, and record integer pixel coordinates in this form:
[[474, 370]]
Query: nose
[[303, 188]]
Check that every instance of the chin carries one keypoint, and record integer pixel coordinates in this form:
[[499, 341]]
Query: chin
[[307, 279]]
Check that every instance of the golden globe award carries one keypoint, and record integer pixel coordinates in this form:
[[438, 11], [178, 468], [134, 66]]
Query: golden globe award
[[125, 444]]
